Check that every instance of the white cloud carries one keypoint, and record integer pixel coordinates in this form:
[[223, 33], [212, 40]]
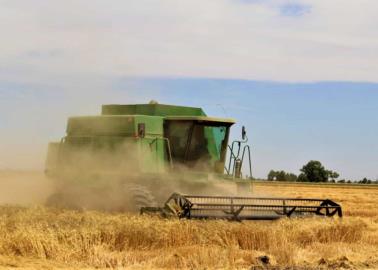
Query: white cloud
[[330, 40], [78, 47]]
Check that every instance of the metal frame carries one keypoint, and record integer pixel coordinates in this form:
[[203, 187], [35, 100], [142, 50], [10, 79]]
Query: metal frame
[[244, 208], [233, 157], [166, 140]]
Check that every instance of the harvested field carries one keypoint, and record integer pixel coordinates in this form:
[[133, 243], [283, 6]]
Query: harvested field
[[35, 237]]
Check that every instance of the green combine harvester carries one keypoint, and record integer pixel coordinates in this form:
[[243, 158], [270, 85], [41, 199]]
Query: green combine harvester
[[133, 157]]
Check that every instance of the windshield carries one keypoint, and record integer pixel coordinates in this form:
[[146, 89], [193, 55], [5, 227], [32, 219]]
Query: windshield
[[196, 144]]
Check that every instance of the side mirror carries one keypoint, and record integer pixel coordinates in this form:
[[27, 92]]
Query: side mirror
[[244, 133]]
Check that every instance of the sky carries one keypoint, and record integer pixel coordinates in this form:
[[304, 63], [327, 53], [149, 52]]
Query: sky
[[300, 75]]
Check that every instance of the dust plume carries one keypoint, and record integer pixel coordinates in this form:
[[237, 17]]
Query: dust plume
[[100, 179], [122, 174], [33, 113], [23, 187]]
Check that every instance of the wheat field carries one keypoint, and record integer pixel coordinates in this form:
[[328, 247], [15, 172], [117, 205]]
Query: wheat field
[[35, 237]]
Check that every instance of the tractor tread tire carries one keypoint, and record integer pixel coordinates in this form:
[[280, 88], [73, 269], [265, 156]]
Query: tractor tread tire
[[139, 196]]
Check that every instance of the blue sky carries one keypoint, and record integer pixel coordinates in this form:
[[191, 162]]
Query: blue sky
[[288, 123], [301, 75]]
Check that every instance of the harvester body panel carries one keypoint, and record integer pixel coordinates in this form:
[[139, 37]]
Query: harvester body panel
[[161, 147]]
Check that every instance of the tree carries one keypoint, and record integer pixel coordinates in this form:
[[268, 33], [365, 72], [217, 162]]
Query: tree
[[303, 178], [271, 175], [314, 171], [281, 176], [292, 177], [365, 181], [333, 175]]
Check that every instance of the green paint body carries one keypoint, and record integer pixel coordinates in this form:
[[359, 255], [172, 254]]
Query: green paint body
[[159, 145]]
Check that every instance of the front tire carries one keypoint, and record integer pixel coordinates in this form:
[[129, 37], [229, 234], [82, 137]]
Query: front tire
[[138, 196]]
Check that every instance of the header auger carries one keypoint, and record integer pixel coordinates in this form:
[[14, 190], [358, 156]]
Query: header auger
[[133, 156]]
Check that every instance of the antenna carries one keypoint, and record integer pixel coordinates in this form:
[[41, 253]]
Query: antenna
[[223, 109]]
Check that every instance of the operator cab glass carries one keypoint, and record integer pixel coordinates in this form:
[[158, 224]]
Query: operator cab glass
[[198, 145]]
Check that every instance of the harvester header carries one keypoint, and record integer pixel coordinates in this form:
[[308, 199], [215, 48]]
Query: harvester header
[[243, 208]]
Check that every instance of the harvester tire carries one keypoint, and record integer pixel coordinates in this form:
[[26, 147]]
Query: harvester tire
[[138, 196]]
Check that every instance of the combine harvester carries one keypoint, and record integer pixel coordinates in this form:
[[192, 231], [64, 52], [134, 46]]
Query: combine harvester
[[132, 157]]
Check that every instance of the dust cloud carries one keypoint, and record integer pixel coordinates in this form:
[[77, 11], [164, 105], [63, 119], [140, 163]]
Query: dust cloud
[[99, 179], [24, 187], [116, 176], [35, 112], [123, 176]]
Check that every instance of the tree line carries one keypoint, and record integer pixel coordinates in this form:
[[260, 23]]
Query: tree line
[[313, 171]]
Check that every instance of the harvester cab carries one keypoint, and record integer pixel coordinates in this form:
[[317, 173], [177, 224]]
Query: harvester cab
[[133, 156], [197, 143]]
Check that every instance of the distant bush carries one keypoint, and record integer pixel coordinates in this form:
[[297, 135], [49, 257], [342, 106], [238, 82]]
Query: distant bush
[[367, 181], [314, 171], [282, 176]]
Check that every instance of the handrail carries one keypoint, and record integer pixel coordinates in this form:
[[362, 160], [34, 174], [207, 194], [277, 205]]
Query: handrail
[[234, 157], [168, 148], [169, 151], [249, 159], [232, 154]]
